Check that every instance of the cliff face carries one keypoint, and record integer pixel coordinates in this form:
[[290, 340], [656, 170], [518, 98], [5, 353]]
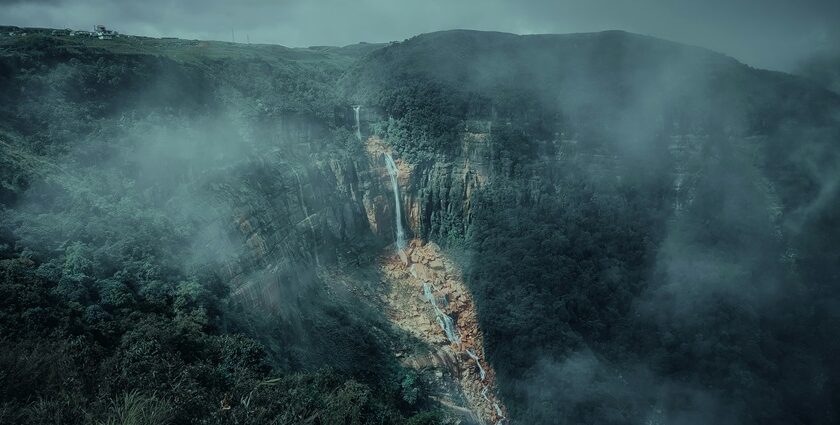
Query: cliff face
[[440, 196], [436, 196], [291, 213]]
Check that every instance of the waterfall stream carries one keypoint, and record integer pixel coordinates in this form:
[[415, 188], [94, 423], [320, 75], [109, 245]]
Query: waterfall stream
[[393, 172], [473, 356], [446, 323], [356, 109], [307, 218], [499, 412]]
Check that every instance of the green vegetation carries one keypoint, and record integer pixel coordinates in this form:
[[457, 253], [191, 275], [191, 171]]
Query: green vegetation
[[653, 240], [130, 294]]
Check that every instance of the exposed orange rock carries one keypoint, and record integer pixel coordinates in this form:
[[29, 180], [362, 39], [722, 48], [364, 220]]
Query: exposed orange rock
[[411, 311]]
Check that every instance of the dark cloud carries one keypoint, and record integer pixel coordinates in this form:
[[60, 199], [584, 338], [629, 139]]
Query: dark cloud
[[764, 33]]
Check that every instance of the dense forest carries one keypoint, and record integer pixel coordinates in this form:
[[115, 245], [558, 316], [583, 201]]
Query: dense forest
[[183, 234], [121, 172]]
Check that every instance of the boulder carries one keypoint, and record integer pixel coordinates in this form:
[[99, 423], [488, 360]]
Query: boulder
[[422, 272]]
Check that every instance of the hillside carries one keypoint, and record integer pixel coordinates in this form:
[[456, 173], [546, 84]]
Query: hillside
[[589, 228], [643, 212]]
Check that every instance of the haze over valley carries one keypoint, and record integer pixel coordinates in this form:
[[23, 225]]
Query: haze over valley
[[462, 227]]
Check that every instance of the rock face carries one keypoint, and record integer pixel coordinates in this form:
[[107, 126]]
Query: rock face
[[409, 309], [437, 198], [430, 196], [299, 203], [290, 213], [295, 212], [308, 199]]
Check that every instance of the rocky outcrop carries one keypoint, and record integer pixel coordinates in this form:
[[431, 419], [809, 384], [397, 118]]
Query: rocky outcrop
[[437, 197], [462, 361]]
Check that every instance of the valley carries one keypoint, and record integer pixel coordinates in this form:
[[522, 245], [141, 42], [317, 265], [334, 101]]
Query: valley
[[463, 227]]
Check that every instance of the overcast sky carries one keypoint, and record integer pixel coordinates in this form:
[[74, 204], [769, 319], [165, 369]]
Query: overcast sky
[[764, 33]]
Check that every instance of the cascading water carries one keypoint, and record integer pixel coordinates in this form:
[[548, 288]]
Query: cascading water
[[446, 323], [473, 356], [484, 393], [393, 172], [308, 218], [356, 109], [499, 413], [483, 402]]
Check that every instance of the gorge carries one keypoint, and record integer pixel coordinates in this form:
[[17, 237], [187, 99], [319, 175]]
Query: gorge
[[461, 227]]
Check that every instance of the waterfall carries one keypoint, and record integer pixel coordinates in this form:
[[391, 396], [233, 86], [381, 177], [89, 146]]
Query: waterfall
[[308, 218], [484, 393], [473, 356], [446, 323], [393, 172], [356, 109], [499, 413]]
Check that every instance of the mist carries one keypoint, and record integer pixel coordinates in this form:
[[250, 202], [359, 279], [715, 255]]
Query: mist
[[642, 218], [639, 255]]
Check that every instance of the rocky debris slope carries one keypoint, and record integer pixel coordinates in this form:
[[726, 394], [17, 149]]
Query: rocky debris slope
[[461, 357]]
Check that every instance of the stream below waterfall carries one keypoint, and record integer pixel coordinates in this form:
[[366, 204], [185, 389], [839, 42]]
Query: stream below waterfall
[[356, 109], [446, 323]]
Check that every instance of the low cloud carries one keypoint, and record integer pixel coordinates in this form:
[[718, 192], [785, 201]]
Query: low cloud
[[584, 386]]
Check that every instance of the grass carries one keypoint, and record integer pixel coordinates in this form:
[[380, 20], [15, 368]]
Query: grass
[[135, 408], [187, 51]]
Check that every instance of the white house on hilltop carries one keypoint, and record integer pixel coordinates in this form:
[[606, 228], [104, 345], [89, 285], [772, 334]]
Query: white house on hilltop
[[103, 33]]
